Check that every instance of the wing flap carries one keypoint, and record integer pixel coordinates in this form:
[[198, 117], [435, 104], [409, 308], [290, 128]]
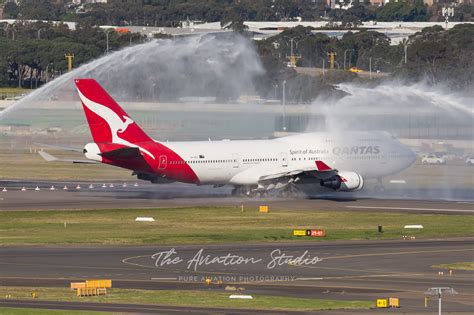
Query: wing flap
[[320, 171]]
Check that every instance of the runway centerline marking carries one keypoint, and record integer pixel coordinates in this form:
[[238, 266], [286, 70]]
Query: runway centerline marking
[[401, 253], [413, 209], [64, 266], [306, 279], [374, 276], [125, 261], [164, 279]]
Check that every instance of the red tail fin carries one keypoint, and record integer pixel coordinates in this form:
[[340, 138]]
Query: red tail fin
[[108, 122]]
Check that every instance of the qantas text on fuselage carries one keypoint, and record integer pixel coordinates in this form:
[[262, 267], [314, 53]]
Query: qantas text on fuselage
[[339, 161]]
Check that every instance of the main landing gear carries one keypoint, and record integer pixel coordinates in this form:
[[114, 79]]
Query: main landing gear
[[246, 191], [379, 187], [253, 192]]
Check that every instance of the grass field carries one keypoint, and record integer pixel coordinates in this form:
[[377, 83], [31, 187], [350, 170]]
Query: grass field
[[457, 266], [30, 311], [214, 225], [14, 90], [26, 164], [187, 298]]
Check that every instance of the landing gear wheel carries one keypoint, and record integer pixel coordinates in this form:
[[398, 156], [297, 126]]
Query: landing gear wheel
[[379, 187], [245, 191], [238, 192], [288, 192]]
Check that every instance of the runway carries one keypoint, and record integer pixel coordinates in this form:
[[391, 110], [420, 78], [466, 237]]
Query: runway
[[355, 270], [128, 308], [347, 270], [103, 196]]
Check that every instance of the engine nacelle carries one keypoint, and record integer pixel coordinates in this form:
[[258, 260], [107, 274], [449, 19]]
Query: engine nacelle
[[344, 181]]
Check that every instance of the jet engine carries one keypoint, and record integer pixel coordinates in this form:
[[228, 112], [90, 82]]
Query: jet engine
[[344, 181]]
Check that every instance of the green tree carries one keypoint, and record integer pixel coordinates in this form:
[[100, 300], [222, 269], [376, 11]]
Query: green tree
[[405, 11], [41, 10], [10, 10]]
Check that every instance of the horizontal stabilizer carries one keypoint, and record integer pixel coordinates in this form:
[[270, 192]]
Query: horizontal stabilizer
[[51, 158]]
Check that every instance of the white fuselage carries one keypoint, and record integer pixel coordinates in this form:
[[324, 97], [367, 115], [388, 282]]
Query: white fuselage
[[243, 162]]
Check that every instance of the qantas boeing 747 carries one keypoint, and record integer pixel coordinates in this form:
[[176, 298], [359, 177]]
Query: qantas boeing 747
[[338, 162]]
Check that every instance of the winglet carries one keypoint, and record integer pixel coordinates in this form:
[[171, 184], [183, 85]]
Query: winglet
[[323, 167]]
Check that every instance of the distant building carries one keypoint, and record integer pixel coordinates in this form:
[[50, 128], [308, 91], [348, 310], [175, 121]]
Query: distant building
[[338, 4], [428, 2], [378, 3], [79, 2], [126, 1]]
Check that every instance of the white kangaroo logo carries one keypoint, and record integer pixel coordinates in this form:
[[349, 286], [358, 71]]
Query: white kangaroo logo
[[116, 124]]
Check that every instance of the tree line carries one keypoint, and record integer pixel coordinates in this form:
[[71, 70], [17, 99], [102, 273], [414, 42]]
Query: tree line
[[434, 54], [172, 12], [34, 53]]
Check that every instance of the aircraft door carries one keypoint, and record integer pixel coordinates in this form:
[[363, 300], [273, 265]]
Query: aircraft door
[[284, 159], [235, 160], [162, 162]]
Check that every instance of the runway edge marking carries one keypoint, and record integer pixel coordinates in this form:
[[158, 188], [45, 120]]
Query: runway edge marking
[[414, 209]]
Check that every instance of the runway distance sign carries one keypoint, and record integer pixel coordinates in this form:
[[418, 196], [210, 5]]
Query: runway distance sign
[[317, 233], [311, 233]]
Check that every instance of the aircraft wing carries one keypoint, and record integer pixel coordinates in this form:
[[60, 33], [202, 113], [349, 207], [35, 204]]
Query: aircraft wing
[[320, 171], [51, 158]]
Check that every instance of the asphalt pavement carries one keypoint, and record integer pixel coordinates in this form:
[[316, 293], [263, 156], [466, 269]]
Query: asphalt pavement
[[349, 270]]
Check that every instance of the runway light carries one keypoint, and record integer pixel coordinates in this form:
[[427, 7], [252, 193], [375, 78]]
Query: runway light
[[4, 189], [78, 187], [104, 186], [135, 185], [91, 186], [124, 185], [37, 188], [52, 188], [111, 185], [65, 187], [439, 291], [23, 189]]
